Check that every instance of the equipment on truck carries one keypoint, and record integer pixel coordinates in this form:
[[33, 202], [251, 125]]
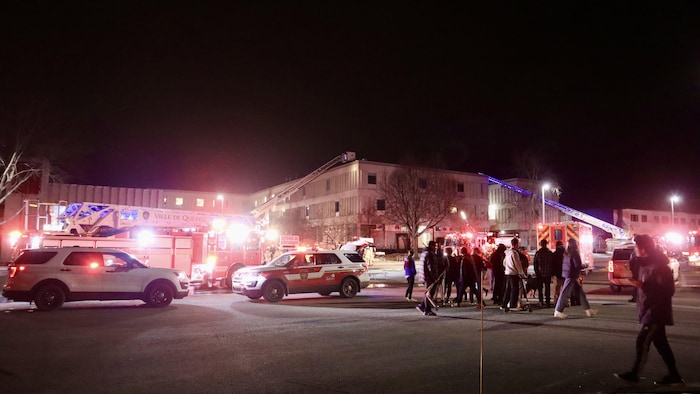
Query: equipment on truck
[[618, 233], [564, 231], [299, 183]]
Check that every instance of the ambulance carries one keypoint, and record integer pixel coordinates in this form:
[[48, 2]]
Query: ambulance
[[564, 231]]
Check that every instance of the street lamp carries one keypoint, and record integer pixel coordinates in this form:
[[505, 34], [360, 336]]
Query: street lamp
[[544, 187], [221, 197], [674, 199]]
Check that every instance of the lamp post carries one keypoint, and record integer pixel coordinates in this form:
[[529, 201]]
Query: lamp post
[[221, 197], [544, 187], [674, 199]]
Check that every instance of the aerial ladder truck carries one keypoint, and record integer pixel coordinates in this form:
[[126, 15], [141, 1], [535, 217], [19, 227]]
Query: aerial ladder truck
[[562, 231]]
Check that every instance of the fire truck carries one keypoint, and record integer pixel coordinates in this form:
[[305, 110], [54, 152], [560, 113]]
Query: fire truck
[[582, 233], [185, 240], [619, 235], [211, 247]]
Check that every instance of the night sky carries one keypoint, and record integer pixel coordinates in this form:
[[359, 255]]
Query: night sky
[[235, 98]]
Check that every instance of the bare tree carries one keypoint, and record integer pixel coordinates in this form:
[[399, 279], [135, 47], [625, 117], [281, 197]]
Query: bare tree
[[418, 198], [15, 173]]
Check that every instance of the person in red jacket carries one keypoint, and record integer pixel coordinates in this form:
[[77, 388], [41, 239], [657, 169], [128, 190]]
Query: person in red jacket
[[655, 288]]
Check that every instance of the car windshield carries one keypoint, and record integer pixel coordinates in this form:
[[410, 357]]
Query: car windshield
[[622, 254]]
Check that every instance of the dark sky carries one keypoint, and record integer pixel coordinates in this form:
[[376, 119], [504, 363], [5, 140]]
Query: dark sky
[[235, 98]]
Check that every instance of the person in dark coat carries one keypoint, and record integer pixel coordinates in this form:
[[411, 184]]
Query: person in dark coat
[[634, 267], [499, 276], [543, 272], [655, 289], [557, 262], [431, 268], [452, 275], [480, 268], [467, 276], [571, 269]]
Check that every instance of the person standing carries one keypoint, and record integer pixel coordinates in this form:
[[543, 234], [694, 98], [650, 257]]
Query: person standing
[[432, 279], [634, 267], [543, 272], [451, 275], [480, 268], [655, 289], [409, 267], [514, 275], [557, 262], [499, 280], [571, 269]]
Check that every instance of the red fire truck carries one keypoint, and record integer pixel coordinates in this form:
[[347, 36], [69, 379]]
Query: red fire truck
[[564, 231]]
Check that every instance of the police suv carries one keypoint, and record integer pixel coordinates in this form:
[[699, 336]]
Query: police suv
[[322, 272]]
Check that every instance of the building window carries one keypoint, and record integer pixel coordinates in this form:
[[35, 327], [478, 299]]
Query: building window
[[634, 217], [328, 184], [423, 183], [200, 202], [179, 201], [303, 190], [644, 218], [372, 179], [381, 205], [337, 208], [460, 188]]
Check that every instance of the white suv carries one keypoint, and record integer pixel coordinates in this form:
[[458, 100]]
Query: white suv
[[322, 272], [51, 276]]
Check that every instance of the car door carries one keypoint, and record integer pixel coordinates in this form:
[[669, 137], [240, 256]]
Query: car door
[[83, 271], [303, 273], [122, 274]]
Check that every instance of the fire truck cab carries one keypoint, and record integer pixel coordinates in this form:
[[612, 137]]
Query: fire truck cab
[[563, 231]]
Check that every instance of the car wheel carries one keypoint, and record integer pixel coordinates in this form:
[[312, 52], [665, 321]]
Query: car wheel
[[49, 297], [324, 293], [349, 288], [159, 295], [615, 288], [273, 291]]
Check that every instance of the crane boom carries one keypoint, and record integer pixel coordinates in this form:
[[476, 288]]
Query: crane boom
[[617, 232], [267, 205]]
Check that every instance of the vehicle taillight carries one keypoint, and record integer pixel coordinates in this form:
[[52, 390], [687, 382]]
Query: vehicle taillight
[[15, 269], [611, 266]]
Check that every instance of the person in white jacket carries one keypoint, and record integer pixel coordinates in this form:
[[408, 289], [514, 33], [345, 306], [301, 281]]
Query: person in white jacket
[[514, 274]]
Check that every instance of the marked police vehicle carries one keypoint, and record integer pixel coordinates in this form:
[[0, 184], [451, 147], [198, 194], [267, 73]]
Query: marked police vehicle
[[322, 272]]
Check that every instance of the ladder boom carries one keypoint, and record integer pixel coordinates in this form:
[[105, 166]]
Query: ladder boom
[[267, 205], [617, 232]]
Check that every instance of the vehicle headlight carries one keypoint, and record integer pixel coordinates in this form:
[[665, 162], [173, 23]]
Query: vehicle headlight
[[182, 276], [250, 278]]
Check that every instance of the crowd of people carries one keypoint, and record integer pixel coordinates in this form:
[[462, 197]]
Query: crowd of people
[[508, 282], [455, 277]]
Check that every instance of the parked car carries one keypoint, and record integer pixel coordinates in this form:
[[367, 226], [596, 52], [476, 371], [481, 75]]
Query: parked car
[[48, 277], [619, 271], [322, 272]]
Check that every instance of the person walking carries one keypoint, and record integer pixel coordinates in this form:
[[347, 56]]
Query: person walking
[[655, 289], [514, 275], [543, 273], [409, 268], [571, 270], [432, 279], [496, 260]]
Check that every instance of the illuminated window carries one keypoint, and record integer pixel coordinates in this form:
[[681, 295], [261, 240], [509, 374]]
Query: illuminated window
[[179, 201], [200, 202]]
